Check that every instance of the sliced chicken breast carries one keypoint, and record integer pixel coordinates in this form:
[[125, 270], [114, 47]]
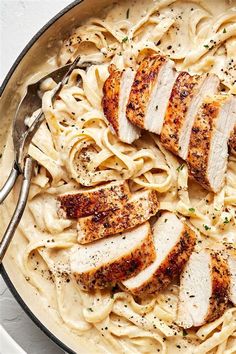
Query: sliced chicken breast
[[174, 242], [208, 148], [116, 93], [204, 288], [89, 201], [150, 93], [113, 259], [232, 271], [186, 98], [141, 206], [232, 141]]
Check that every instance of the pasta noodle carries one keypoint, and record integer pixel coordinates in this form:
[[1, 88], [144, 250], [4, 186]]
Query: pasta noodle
[[76, 148]]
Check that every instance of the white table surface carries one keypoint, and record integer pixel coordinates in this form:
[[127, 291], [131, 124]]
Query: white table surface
[[19, 21]]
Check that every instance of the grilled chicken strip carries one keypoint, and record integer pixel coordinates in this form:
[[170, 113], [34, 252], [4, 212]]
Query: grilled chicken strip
[[232, 271], [208, 148], [116, 93], [186, 98], [141, 206], [174, 242], [89, 201], [113, 259], [204, 288], [150, 93], [232, 140]]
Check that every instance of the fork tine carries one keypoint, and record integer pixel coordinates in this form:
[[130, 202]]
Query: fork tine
[[72, 67], [28, 135], [7, 187], [20, 207]]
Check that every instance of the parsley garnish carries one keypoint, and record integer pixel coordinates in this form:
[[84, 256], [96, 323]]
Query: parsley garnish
[[206, 227], [125, 39], [224, 30], [90, 309], [127, 13], [185, 333], [180, 167], [226, 221], [206, 46], [192, 210]]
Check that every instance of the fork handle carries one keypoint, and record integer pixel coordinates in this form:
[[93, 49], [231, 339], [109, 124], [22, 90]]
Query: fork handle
[[9, 184], [20, 207]]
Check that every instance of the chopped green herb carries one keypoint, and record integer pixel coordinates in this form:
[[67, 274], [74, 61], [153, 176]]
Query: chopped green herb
[[206, 227], [165, 220], [90, 309], [226, 221], [192, 210], [224, 30], [125, 39], [127, 13], [185, 333], [112, 296], [180, 167], [206, 46]]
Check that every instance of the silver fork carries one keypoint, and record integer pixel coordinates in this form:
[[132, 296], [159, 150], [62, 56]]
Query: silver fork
[[22, 136]]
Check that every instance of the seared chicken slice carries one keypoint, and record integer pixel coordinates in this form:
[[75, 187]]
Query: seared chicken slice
[[232, 140], [208, 148], [98, 199], [232, 271], [150, 93], [186, 98], [141, 206], [174, 242], [116, 93], [204, 288], [113, 259]]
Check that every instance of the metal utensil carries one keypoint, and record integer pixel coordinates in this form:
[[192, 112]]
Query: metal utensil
[[22, 136]]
